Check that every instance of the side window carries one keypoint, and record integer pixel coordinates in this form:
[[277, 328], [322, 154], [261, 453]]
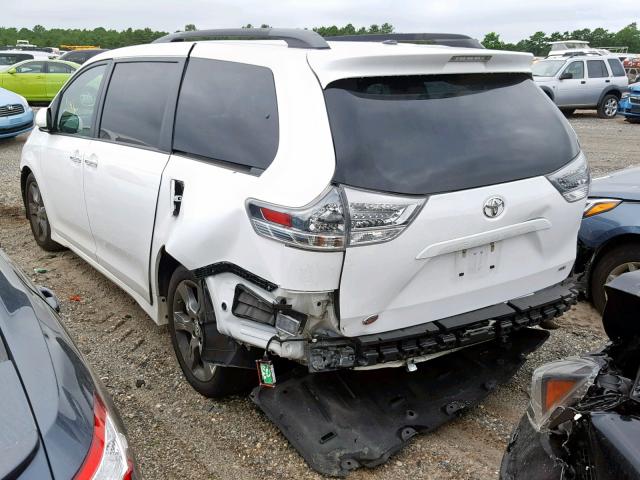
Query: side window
[[228, 111], [79, 101], [136, 103], [60, 68], [31, 67], [597, 69], [616, 67], [576, 69]]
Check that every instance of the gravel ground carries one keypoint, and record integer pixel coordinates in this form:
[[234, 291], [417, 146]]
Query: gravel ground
[[178, 434]]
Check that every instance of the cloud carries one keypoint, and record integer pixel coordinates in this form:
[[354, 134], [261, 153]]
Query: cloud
[[513, 20]]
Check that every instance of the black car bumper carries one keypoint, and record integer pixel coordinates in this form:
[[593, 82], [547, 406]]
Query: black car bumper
[[496, 322]]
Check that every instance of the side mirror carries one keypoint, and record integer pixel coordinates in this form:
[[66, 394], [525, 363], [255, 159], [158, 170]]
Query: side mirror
[[42, 119], [50, 298], [566, 76], [11, 71]]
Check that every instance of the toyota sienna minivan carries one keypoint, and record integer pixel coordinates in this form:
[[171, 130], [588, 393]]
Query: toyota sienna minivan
[[346, 205]]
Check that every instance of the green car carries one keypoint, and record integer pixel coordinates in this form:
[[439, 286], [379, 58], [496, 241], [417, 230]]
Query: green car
[[37, 80]]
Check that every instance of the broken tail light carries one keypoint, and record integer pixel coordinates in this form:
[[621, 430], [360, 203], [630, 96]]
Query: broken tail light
[[327, 225]]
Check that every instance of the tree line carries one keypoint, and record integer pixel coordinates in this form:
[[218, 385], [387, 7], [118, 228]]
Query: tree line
[[101, 37], [537, 43]]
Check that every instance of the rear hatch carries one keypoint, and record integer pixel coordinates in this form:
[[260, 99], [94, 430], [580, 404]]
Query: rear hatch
[[477, 147]]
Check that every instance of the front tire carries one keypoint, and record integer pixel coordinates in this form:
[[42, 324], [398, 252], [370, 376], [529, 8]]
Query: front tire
[[608, 107], [567, 112], [37, 215], [187, 303], [621, 259]]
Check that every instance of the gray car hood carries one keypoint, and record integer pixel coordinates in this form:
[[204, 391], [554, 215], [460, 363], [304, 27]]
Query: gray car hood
[[624, 184]]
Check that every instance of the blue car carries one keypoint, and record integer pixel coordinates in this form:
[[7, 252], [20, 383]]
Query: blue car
[[16, 116], [629, 105], [609, 238]]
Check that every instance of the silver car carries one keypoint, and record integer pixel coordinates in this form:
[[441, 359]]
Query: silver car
[[583, 81]]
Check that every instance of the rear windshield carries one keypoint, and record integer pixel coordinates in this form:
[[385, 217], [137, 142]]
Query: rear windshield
[[440, 133]]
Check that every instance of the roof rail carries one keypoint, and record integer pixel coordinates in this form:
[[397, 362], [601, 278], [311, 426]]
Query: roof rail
[[447, 39], [295, 38]]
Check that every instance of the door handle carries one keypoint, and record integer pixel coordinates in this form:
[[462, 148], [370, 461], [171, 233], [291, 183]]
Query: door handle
[[90, 163], [75, 159], [583, 82], [177, 190], [607, 81]]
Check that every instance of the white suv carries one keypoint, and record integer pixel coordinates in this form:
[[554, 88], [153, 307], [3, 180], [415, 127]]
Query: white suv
[[344, 205]]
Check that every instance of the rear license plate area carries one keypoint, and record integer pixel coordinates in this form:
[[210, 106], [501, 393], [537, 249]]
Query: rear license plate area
[[477, 260]]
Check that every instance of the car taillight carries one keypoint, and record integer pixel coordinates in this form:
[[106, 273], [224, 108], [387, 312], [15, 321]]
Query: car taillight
[[573, 180], [107, 458], [327, 225], [377, 218]]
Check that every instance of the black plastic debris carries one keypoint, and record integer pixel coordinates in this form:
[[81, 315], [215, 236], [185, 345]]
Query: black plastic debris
[[341, 421]]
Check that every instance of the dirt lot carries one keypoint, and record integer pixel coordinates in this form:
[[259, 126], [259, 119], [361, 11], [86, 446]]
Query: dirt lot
[[178, 434]]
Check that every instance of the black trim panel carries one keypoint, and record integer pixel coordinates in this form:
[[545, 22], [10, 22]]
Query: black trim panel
[[228, 267]]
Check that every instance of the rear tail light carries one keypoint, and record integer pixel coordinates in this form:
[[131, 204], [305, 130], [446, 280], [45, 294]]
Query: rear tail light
[[318, 226], [327, 225], [573, 180], [376, 218], [108, 454]]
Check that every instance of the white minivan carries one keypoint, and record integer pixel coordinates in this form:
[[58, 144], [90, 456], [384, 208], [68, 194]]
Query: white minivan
[[342, 204]]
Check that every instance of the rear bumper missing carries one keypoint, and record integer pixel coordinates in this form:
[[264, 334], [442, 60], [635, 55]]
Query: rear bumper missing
[[422, 342]]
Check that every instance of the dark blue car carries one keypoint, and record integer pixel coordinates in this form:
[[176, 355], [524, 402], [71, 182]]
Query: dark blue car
[[56, 422], [609, 238]]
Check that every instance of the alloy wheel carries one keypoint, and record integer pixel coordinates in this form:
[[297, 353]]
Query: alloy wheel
[[611, 107], [37, 212], [624, 268], [188, 317]]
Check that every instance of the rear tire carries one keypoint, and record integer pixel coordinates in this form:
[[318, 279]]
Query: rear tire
[[37, 215], [608, 107], [186, 301], [619, 260]]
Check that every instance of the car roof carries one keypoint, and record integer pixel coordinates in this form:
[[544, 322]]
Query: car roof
[[343, 59], [72, 64], [580, 57]]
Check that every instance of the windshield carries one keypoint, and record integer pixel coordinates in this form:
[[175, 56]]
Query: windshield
[[547, 68], [440, 133]]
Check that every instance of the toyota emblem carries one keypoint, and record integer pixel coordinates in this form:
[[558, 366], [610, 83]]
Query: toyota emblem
[[493, 207]]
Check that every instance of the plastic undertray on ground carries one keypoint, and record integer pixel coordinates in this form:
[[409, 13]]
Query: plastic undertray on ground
[[340, 421]]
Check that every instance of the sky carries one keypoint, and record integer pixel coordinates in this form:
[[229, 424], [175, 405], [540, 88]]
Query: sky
[[513, 20]]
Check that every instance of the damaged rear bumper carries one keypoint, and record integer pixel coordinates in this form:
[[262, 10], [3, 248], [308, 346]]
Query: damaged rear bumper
[[305, 326], [426, 341]]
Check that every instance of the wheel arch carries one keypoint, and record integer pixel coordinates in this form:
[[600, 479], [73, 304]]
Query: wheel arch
[[611, 90], [166, 264], [548, 92], [24, 174]]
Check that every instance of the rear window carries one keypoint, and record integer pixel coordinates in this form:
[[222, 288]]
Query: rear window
[[616, 67], [228, 112], [441, 133]]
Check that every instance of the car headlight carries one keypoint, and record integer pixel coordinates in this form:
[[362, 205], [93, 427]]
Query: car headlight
[[557, 386], [572, 180], [596, 206], [625, 95]]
